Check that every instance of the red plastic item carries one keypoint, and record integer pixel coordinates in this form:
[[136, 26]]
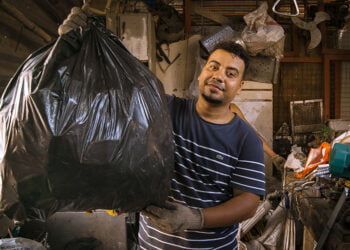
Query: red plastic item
[[316, 157]]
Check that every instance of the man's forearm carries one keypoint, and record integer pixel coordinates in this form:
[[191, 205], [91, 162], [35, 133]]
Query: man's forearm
[[235, 210]]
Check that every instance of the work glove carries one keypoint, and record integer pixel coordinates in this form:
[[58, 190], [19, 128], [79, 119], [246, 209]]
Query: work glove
[[175, 217], [76, 18], [278, 161]]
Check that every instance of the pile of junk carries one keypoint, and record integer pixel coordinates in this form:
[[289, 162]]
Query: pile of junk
[[322, 177]]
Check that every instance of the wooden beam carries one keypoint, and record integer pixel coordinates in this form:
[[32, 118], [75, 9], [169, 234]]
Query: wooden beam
[[21, 17], [301, 60], [198, 9], [16, 36], [58, 10], [8, 69], [38, 13], [9, 57]]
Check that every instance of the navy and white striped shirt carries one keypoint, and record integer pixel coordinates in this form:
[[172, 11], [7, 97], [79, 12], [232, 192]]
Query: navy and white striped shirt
[[210, 161]]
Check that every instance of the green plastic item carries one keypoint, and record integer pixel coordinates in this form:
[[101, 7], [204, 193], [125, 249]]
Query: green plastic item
[[339, 164]]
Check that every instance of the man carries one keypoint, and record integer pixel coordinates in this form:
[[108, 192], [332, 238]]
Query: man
[[219, 171]]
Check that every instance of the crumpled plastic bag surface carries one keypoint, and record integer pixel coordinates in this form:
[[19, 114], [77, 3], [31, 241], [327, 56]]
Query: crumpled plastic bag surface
[[296, 159], [316, 157], [84, 125], [20, 244], [344, 138], [263, 35]]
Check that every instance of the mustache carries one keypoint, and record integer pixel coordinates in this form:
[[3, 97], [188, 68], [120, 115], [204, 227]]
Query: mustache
[[216, 83]]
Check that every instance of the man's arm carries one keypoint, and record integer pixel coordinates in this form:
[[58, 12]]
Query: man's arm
[[241, 207], [176, 217]]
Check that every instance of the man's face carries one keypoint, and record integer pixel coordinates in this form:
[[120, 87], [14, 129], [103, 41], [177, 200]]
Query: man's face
[[221, 77]]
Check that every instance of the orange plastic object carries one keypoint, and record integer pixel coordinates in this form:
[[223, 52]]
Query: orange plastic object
[[316, 157]]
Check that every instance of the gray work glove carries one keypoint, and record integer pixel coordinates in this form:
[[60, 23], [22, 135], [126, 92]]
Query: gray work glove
[[76, 18], [278, 161], [175, 217]]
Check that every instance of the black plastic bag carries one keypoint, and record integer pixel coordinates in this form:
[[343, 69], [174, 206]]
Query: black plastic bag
[[84, 125]]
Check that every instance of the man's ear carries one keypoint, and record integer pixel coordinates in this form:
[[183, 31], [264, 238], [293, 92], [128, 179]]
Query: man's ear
[[239, 90]]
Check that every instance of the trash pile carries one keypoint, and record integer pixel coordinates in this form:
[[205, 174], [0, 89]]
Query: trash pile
[[324, 173], [84, 125]]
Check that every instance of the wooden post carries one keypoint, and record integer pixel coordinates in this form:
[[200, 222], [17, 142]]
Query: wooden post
[[187, 14]]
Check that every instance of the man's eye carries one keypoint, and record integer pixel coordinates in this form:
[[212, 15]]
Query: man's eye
[[213, 67], [232, 74]]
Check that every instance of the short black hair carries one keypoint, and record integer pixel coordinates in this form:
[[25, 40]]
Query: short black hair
[[234, 48]]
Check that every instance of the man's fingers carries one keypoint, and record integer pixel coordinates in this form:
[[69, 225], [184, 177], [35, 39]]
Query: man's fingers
[[78, 12], [63, 29], [149, 215], [70, 23], [155, 210], [159, 222], [145, 213], [170, 205], [77, 19]]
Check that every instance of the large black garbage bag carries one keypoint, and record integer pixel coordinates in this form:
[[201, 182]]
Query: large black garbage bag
[[84, 125]]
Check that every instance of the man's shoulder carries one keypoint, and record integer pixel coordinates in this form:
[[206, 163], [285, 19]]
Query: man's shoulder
[[246, 128], [174, 97], [174, 101]]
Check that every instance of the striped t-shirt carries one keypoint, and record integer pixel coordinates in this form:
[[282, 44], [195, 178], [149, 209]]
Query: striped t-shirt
[[210, 161]]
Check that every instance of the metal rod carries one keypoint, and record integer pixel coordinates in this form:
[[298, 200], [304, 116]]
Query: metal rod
[[332, 219], [286, 13]]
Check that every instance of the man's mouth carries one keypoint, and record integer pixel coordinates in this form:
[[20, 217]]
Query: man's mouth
[[215, 85]]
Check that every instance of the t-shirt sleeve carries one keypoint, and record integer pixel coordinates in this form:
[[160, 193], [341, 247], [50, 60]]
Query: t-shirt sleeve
[[249, 174]]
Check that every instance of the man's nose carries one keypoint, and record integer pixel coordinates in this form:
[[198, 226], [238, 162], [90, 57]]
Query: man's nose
[[218, 75]]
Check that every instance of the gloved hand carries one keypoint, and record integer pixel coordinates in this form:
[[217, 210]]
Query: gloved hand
[[76, 18], [175, 217], [278, 161]]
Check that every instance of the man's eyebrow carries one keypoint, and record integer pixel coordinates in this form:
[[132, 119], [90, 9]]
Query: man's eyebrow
[[229, 68], [214, 62]]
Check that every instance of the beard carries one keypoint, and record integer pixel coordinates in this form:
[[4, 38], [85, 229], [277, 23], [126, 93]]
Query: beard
[[211, 99], [211, 95]]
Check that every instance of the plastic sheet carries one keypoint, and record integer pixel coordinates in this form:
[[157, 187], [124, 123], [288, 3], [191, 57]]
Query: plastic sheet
[[316, 156], [20, 244], [344, 138], [296, 159], [263, 35], [84, 125]]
